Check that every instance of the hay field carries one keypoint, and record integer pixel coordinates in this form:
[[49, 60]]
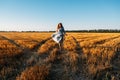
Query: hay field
[[35, 56]]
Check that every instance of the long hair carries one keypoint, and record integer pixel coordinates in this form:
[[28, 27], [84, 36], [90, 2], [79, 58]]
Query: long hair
[[59, 26]]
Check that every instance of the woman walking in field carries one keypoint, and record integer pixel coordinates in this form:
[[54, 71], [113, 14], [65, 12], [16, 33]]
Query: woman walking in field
[[59, 35]]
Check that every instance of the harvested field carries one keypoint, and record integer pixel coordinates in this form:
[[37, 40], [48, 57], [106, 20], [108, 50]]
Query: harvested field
[[35, 56]]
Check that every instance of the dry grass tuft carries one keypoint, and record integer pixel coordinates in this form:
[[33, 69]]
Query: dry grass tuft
[[7, 49], [35, 73], [33, 59], [71, 61], [69, 44], [53, 55], [45, 48]]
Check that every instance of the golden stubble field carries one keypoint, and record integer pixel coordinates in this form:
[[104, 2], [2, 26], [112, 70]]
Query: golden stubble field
[[35, 56]]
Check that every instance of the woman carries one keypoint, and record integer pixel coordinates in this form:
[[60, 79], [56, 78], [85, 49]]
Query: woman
[[59, 35]]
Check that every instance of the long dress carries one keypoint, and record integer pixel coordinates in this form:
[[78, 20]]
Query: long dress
[[58, 36]]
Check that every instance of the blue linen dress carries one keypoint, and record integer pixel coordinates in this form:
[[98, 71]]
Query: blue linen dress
[[58, 36]]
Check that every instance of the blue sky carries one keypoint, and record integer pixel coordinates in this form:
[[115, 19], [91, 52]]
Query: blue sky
[[44, 15]]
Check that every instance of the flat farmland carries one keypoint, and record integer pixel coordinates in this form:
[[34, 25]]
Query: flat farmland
[[35, 56]]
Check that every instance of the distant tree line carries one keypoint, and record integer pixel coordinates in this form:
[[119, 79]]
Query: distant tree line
[[90, 31], [97, 31]]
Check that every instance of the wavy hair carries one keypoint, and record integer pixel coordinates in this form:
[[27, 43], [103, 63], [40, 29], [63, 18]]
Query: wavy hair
[[59, 26]]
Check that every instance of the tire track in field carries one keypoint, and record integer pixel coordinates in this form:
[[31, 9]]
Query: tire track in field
[[35, 57], [29, 58], [35, 48], [22, 60], [78, 49], [12, 42], [50, 57], [85, 38], [81, 75], [80, 37], [44, 55], [99, 43], [106, 40], [67, 66], [53, 58]]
